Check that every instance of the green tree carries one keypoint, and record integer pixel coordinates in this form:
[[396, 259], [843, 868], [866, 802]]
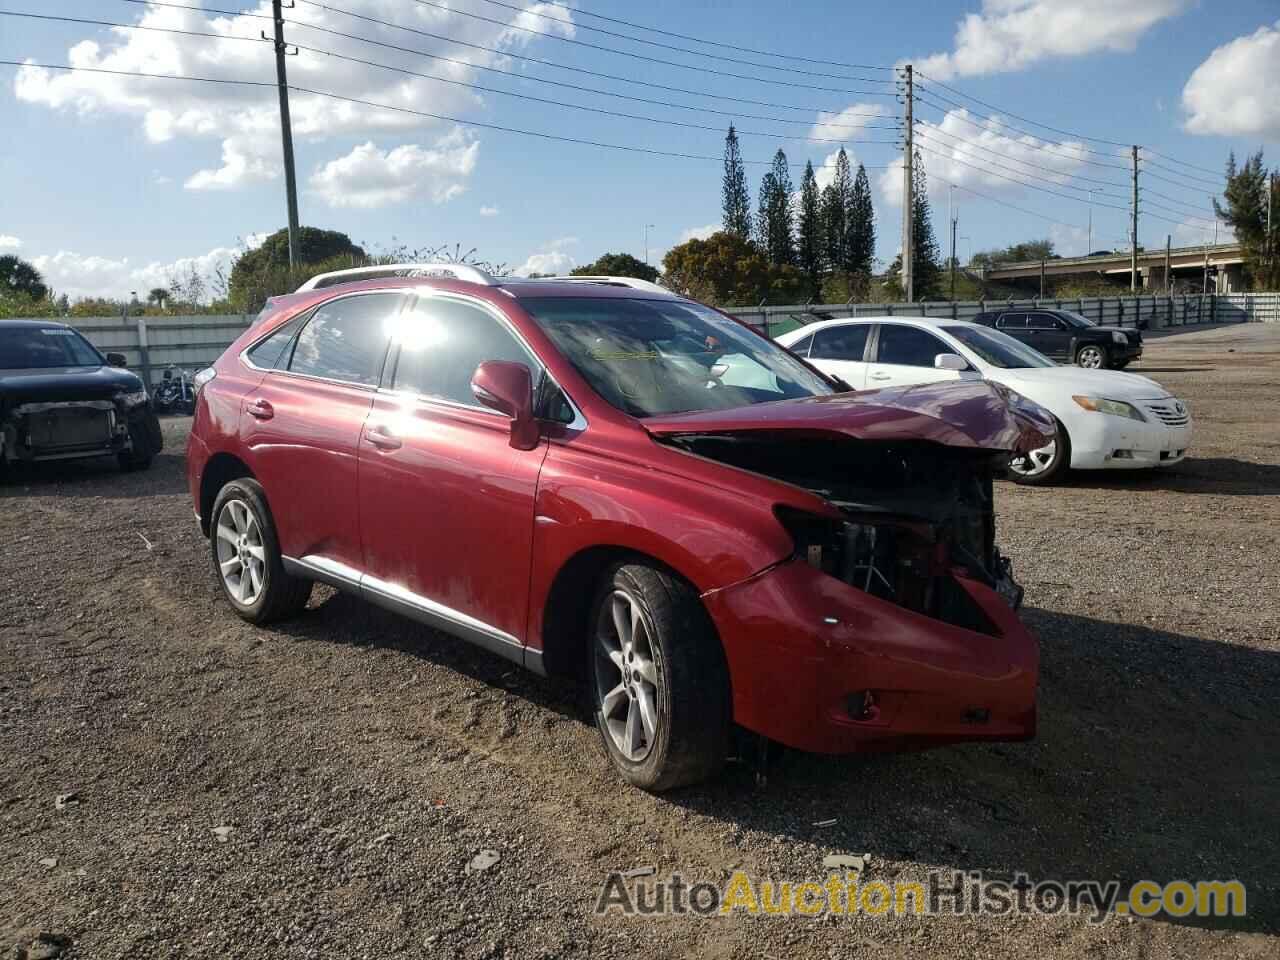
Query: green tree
[[860, 232], [728, 270], [837, 201], [809, 235], [158, 297], [926, 262], [1246, 213], [736, 201], [617, 265], [775, 223], [1025, 252], [19, 277], [265, 272]]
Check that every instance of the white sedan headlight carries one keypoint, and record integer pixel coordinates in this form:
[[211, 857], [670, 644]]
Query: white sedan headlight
[[1117, 408], [1119, 337]]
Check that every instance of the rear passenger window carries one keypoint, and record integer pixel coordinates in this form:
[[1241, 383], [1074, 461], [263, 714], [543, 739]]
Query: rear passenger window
[[909, 346], [443, 341], [1012, 321], [840, 343], [346, 339], [273, 352], [801, 346]]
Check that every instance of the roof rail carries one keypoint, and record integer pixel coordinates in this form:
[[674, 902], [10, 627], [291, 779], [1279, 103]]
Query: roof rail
[[634, 282], [459, 271]]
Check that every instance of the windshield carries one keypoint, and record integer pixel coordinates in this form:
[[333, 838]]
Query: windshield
[[23, 348], [999, 349], [650, 357], [1075, 319]]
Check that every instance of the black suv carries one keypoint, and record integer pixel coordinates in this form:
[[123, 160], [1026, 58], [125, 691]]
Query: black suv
[[1068, 337], [61, 399]]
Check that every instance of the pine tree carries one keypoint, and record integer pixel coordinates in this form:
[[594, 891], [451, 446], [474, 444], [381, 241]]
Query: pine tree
[[809, 240], [775, 222], [926, 264], [1245, 212], [837, 199], [860, 232], [735, 198]]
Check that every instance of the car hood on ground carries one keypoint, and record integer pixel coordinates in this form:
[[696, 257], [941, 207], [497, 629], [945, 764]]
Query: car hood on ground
[[974, 414], [1112, 384], [48, 384]]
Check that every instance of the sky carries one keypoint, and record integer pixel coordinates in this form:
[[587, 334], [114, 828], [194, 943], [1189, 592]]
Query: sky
[[116, 183]]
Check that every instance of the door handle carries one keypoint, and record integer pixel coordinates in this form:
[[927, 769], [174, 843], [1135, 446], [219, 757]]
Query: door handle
[[379, 437], [260, 409], [881, 376]]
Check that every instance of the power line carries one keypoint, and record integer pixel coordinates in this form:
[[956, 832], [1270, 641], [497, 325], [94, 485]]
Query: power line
[[1163, 179], [85, 21], [714, 43], [1184, 163], [664, 63], [198, 9], [538, 134], [578, 106], [570, 86], [1035, 123], [667, 46], [1005, 203], [1188, 176], [558, 66], [1050, 148], [935, 131], [1023, 183]]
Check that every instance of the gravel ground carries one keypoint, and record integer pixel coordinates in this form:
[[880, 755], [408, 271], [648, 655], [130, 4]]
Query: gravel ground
[[360, 761]]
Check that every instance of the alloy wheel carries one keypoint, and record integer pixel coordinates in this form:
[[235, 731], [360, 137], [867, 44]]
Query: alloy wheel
[[1034, 463], [1091, 358], [626, 675], [242, 559]]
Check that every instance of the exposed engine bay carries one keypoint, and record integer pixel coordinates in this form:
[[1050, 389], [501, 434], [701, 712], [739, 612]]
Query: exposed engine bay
[[54, 430], [916, 513]]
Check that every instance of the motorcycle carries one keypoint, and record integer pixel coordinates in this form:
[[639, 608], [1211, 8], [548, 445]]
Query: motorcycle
[[176, 393]]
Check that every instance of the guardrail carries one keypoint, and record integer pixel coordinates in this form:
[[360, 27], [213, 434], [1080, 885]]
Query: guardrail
[[150, 344]]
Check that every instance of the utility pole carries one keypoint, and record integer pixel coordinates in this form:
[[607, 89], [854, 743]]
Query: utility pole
[[1205, 288], [1089, 249], [647, 228], [1168, 273], [951, 215], [1133, 255], [286, 128], [908, 188], [1042, 278]]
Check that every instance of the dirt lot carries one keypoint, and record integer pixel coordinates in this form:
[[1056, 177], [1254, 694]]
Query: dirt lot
[[362, 761]]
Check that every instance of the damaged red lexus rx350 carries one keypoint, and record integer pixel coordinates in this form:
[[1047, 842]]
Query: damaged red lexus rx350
[[599, 478]]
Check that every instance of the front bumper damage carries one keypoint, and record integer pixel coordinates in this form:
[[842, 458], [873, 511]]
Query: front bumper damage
[[72, 429]]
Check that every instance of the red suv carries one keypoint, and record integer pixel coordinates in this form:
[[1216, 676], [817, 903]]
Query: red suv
[[599, 478]]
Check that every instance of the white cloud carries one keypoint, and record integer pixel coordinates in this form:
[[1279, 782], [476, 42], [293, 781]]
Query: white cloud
[[825, 173], [9, 243], [846, 124], [1011, 35], [551, 259], [1233, 93], [488, 211], [699, 233], [368, 178], [244, 121], [990, 159], [80, 275]]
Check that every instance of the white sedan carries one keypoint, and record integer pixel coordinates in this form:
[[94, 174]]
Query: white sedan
[[1106, 419]]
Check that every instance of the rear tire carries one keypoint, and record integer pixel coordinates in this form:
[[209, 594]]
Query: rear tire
[[246, 556], [658, 679]]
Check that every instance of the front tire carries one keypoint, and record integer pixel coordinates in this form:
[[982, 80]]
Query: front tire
[[658, 679], [1092, 356], [246, 556], [1045, 464]]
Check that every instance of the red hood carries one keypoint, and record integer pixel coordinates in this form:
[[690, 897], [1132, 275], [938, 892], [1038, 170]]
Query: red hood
[[968, 413]]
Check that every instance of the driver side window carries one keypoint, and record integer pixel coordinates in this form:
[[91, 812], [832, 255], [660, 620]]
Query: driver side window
[[443, 341]]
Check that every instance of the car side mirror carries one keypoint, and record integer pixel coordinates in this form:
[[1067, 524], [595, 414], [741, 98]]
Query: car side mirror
[[950, 361], [507, 387], [117, 360]]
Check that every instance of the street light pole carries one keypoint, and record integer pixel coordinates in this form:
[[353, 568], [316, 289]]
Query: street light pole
[[647, 228], [1089, 245]]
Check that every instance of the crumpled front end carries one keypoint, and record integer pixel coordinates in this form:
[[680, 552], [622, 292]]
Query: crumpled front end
[[72, 429]]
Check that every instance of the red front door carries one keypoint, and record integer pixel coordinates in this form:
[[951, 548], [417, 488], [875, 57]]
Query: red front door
[[446, 504]]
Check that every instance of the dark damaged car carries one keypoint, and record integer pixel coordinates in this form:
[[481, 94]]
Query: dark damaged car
[[602, 480], [61, 399]]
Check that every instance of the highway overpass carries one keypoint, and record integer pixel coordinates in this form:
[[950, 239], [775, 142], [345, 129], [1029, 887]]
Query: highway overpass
[[1187, 264]]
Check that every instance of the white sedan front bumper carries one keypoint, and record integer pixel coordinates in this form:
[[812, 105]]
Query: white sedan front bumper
[[1103, 441]]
